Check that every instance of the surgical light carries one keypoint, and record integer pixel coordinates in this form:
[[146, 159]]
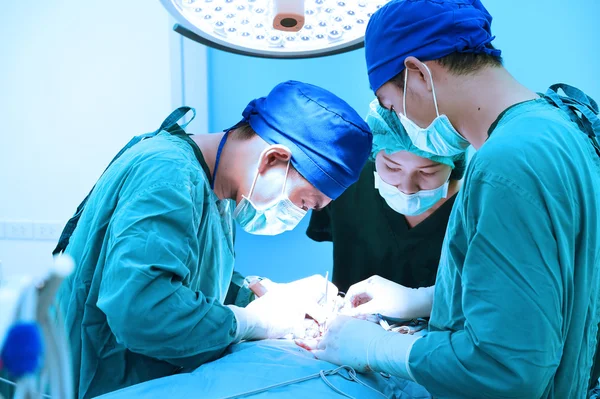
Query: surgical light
[[275, 28]]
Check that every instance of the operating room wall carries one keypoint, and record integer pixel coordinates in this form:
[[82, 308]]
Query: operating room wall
[[77, 81], [543, 42]]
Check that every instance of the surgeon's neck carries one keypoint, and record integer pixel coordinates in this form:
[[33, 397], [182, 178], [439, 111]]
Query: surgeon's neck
[[209, 145], [479, 100], [237, 165]]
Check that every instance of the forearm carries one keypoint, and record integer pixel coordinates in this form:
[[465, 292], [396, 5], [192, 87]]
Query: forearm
[[451, 364], [423, 301], [389, 353], [158, 320]]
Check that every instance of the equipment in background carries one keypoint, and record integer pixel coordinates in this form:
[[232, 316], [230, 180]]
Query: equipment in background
[[34, 351]]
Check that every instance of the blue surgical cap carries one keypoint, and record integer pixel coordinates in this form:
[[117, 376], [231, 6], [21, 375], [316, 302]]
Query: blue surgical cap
[[389, 136], [425, 29], [329, 141]]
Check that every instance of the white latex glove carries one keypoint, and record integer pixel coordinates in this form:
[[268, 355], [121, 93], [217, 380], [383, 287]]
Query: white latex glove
[[363, 346], [378, 295], [307, 293], [268, 317]]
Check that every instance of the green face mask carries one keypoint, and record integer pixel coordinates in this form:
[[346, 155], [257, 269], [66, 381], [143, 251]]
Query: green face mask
[[410, 204], [279, 216]]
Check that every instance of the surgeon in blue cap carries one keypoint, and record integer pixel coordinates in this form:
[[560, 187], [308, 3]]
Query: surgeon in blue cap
[[154, 240], [516, 307]]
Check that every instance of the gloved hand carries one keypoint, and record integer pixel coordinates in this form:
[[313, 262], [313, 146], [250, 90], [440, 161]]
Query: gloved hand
[[270, 316], [363, 346], [378, 295], [308, 293]]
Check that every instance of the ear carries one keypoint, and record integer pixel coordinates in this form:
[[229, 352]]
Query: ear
[[272, 155], [419, 72]]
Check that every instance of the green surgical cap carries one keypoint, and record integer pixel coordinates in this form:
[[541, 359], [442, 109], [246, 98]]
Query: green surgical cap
[[389, 135]]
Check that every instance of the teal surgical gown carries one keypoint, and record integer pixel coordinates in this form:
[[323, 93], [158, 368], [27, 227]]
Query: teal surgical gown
[[154, 260], [516, 309]]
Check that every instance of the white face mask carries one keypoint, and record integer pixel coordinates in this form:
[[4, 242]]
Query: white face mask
[[279, 216], [440, 137], [410, 204]]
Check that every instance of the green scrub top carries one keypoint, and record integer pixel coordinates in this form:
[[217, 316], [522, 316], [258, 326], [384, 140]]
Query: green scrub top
[[370, 238], [154, 260], [516, 310]]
